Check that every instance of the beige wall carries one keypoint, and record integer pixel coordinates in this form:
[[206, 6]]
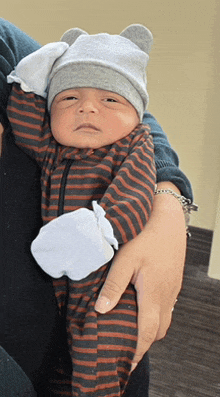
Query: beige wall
[[183, 72]]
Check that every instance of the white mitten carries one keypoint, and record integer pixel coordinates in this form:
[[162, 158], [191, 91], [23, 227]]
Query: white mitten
[[73, 245], [32, 72]]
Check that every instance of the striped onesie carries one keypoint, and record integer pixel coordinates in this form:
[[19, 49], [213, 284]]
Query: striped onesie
[[121, 178]]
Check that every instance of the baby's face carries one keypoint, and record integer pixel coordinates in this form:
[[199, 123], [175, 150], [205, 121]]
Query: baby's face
[[91, 118]]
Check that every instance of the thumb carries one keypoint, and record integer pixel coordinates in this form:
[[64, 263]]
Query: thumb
[[116, 283]]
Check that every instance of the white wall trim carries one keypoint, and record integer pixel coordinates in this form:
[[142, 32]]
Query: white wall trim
[[214, 263]]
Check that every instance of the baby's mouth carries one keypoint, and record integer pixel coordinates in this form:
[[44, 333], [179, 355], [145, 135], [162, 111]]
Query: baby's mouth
[[87, 126]]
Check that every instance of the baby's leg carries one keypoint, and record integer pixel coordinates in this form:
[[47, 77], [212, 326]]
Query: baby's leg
[[102, 346]]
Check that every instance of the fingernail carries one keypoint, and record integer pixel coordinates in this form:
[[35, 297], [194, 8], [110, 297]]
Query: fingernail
[[102, 304], [133, 366]]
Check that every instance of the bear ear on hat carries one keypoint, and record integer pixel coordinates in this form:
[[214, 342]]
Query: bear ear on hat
[[71, 35], [139, 35]]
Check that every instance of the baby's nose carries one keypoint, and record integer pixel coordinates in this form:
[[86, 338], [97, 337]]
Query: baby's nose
[[88, 106]]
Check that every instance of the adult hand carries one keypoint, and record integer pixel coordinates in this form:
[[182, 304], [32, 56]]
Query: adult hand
[[153, 262]]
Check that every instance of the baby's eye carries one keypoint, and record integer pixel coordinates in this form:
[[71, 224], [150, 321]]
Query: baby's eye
[[70, 98], [110, 100]]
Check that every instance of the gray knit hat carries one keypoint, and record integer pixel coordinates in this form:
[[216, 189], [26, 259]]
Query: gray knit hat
[[115, 63]]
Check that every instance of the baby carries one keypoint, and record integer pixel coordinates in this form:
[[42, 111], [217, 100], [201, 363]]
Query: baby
[[76, 107]]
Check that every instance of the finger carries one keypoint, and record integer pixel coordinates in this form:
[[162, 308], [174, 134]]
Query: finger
[[148, 325], [116, 283], [133, 366], [148, 301], [165, 322]]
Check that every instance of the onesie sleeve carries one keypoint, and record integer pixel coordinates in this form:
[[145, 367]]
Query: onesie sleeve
[[29, 121], [128, 200], [166, 159]]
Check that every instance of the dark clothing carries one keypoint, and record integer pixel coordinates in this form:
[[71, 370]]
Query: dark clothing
[[14, 382], [30, 324], [138, 384]]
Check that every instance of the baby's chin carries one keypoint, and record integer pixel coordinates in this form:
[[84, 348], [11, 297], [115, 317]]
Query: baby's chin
[[84, 145], [86, 141]]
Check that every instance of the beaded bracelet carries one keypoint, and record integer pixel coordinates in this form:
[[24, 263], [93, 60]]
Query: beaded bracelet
[[187, 205]]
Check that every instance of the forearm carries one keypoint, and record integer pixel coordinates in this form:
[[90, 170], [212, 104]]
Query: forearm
[[164, 236], [166, 224], [167, 216]]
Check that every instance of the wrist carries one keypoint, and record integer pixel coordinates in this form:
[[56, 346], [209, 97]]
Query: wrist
[[167, 216], [168, 185], [186, 204]]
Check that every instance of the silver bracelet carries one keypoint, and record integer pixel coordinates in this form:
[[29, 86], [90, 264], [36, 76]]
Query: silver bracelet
[[187, 205]]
